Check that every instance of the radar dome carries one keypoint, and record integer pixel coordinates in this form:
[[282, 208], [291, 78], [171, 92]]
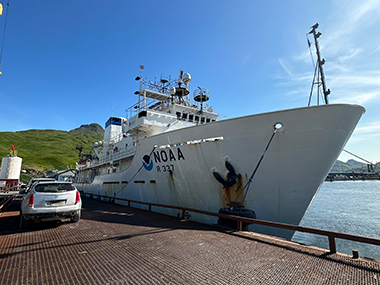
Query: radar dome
[[186, 78], [172, 90]]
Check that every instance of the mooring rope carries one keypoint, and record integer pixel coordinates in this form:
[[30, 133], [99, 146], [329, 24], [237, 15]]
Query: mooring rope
[[255, 170]]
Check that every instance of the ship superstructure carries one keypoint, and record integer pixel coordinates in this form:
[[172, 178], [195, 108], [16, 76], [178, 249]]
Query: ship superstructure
[[162, 107]]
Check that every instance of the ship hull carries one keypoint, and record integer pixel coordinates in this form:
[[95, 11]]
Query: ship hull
[[181, 165]]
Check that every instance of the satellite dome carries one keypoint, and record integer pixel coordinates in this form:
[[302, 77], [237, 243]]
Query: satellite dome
[[186, 78], [172, 90]]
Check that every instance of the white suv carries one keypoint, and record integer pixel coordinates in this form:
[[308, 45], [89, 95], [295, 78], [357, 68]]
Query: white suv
[[51, 200]]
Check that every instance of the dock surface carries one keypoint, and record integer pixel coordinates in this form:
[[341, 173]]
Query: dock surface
[[114, 244]]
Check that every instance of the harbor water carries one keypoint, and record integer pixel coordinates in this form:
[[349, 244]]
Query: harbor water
[[351, 207]]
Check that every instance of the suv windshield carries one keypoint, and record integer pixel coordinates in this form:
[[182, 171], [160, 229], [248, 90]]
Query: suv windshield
[[56, 187]]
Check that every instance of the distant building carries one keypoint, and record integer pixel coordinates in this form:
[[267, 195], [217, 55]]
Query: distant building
[[61, 175]]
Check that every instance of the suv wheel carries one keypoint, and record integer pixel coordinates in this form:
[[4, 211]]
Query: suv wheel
[[23, 221], [76, 217]]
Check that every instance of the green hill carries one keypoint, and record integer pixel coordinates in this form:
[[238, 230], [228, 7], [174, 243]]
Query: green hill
[[43, 150], [92, 130]]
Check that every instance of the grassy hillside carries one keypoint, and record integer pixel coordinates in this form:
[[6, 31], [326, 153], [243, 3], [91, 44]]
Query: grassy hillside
[[50, 149]]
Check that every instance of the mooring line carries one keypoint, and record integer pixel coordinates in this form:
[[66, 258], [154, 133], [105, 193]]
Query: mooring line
[[255, 170]]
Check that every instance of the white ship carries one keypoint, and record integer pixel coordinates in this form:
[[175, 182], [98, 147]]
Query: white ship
[[172, 150]]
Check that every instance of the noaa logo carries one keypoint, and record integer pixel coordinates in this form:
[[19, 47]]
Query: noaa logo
[[147, 162], [164, 160]]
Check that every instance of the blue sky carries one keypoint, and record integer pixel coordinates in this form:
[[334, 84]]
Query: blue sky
[[68, 63]]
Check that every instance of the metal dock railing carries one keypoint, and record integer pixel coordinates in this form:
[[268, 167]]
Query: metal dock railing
[[331, 235]]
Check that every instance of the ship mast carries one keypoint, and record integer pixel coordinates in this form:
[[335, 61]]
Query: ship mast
[[319, 66]]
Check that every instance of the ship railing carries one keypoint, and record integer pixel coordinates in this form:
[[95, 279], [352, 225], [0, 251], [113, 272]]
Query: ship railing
[[150, 103], [119, 154], [331, 235], [110, 158], [117, 138], [5, 201]]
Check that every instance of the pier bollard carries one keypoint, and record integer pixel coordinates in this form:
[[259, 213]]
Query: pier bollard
[[355, 254]]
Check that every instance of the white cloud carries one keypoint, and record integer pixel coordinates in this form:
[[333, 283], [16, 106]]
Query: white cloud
[[351, 16], [361, 11], [247, 57], [372, 128], [282, 63], [351, 53], [361, 80], [365, 98], [377, 50], [304, 57]]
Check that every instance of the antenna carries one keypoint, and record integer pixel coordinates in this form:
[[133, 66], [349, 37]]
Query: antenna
[[319, 66], [140, 78], [201, 95], [180, 78], [181, 91]]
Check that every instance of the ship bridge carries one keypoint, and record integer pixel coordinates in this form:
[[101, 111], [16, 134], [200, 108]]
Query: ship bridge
[[158, 112]]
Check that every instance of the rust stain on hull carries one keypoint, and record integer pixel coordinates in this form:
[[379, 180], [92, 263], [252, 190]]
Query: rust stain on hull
[[231, 193]]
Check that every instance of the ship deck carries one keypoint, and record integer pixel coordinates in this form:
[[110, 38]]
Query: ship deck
[[114, 244]]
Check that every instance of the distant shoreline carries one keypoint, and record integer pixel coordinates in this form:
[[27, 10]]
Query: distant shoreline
[[352, 176]]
